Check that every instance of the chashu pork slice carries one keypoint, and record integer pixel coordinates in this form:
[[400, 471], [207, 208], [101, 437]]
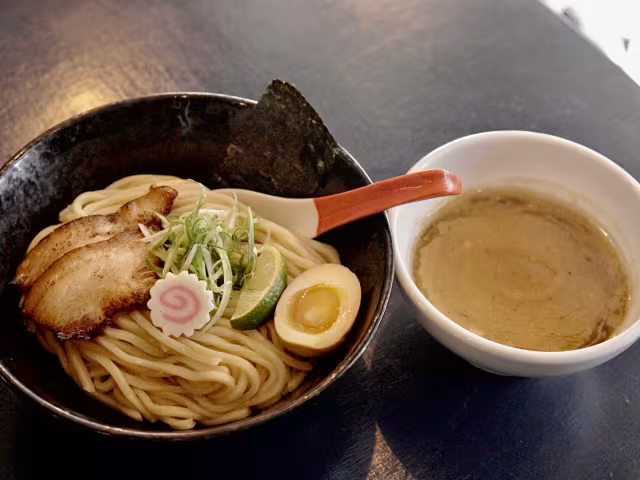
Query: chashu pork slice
[[94, 228], [84, 288]]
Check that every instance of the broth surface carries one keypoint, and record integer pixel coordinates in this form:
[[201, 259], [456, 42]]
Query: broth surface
[[522, 270]]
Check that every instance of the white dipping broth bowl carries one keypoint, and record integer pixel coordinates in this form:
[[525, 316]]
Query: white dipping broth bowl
[[553, 166]]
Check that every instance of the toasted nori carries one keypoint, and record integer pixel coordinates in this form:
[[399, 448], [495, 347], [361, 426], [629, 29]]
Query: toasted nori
[[280, 146]]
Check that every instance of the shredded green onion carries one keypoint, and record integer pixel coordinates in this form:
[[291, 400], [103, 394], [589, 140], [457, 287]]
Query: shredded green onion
[[209, 244]]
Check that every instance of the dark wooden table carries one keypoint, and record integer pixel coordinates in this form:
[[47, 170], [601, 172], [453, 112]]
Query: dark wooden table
[[393, 79]]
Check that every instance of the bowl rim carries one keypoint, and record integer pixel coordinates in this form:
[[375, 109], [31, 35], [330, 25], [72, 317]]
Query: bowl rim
[[612, 345], [238, 425]]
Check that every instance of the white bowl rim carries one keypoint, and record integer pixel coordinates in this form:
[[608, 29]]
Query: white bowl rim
[[614, 344]]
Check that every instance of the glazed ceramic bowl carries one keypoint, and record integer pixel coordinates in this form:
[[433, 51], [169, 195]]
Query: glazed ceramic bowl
[[555, 167], [177, 134]]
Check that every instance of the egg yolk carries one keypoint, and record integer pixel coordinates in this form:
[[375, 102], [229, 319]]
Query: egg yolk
[[316, 308]]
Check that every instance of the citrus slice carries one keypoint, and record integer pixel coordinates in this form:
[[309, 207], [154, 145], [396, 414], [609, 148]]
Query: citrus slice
[[261, 292]]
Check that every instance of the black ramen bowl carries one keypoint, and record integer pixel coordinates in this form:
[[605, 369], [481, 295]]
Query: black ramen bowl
[[177, 134]]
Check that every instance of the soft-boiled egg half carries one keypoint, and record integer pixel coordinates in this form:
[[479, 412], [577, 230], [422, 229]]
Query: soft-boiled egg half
[[317, 309]]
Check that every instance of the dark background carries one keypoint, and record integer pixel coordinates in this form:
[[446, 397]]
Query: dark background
[[393, 79]]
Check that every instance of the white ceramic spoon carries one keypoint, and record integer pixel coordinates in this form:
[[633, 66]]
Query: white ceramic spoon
[[314, 216]]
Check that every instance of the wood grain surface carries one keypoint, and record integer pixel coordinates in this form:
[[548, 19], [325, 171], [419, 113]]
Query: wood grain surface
[[392, 79]]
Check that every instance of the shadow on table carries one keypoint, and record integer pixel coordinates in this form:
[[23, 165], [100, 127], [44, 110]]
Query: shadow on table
[[409, 405], [443, 418], [302, 444]]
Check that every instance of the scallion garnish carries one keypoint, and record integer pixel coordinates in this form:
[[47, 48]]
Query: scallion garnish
[[217, 246]]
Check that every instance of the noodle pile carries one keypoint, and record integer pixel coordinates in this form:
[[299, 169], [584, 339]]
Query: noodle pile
[[215, 376]]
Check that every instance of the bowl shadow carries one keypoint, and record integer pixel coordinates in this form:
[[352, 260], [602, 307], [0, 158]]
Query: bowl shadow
[[444, 418], [302, 444]]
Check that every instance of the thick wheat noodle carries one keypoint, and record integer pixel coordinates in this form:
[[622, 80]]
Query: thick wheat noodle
[[248, 339], [293, 257], [218, 374], [104, 385], [125, 323], [195, 365], [122, 399], [41, 335], [130, 349], [231, 359], [117, 376], [286, 358], [287, 243], [227, 417], [205, 389], [203, 355], [135, 340], [269, 331], [296, 379], [78, 366], [165, 367], [188, 403], [113, 403], [97, 371], [58, 350], [326, 252], [164, 411], [152, 384], [239, 350], [289, 239]]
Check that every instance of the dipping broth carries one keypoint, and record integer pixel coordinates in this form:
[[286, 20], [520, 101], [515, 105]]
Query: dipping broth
[[522, 270]]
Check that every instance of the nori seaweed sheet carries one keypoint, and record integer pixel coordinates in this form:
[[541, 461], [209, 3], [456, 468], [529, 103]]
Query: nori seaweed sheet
[[280, 146]]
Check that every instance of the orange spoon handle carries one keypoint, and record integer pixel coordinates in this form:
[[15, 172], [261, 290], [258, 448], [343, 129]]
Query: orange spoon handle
[[336, 210]]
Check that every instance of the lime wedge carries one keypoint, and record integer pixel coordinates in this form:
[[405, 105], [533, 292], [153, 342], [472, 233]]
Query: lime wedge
[[261, 292]]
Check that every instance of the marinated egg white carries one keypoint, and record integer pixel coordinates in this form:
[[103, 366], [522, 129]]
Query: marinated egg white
[[317, 309]]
